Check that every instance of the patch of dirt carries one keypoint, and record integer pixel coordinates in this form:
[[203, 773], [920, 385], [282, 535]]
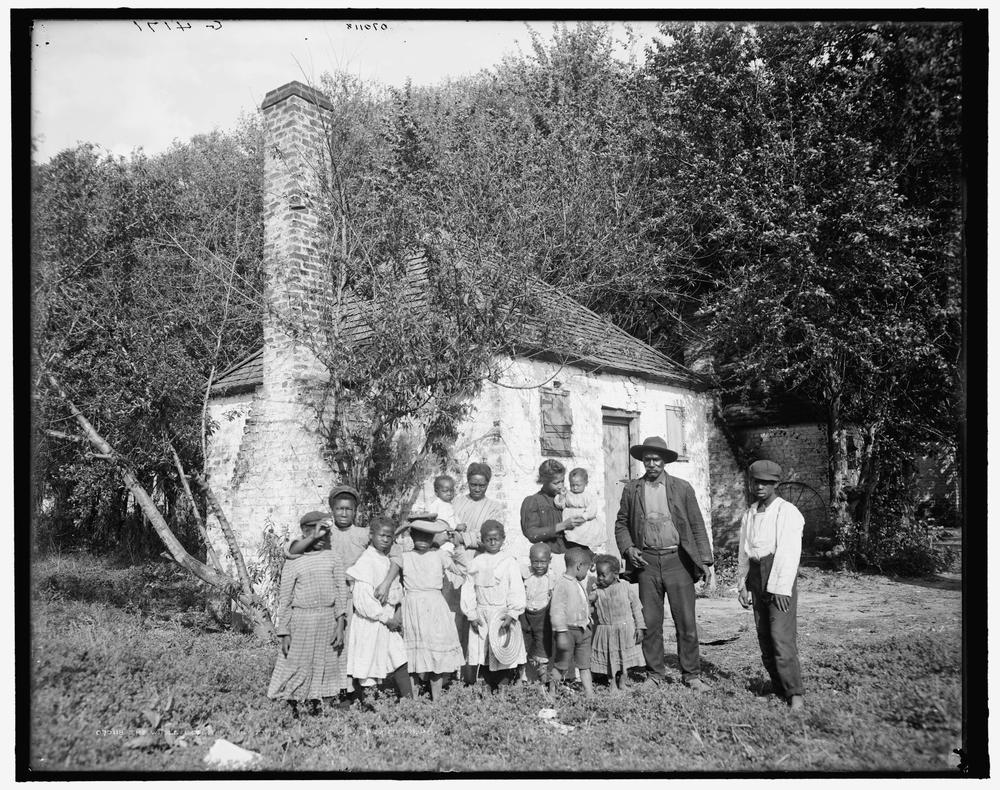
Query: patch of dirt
[[835, 605]]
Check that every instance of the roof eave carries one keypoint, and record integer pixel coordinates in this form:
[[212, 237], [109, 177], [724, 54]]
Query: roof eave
[[691, 381]]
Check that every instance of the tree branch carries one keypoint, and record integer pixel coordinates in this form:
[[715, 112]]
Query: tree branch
[[252, 604]]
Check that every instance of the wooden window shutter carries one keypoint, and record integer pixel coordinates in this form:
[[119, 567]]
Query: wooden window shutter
[[557, 423], [675, 437]]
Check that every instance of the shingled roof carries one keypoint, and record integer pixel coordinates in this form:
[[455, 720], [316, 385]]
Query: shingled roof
[[586, 340]]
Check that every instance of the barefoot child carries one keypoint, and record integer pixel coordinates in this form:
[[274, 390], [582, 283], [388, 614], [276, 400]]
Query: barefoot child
[[311, 618], [493, 589], [429, 631], [376, 650], [570, 613], [620, 625], [535, 623]]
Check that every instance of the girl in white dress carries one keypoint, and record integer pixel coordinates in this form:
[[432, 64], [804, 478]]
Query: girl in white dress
[[376, 650], [494, 590], [429, 633]]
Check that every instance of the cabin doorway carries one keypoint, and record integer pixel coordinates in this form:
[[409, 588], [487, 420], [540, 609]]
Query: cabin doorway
[[620, 433]]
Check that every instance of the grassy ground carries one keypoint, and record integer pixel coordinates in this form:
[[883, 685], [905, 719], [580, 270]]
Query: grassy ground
[[121, 655]]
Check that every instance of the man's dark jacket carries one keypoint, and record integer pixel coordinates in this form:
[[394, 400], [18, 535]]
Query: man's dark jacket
[[684, 511]]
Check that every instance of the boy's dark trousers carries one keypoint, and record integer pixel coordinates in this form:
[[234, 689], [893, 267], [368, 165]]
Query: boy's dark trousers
[[775, 630]]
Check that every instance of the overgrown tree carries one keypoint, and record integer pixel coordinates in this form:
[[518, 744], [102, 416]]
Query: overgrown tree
[[820, 260]]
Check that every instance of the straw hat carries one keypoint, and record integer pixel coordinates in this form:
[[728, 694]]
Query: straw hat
[[505, 645], [424, 522]]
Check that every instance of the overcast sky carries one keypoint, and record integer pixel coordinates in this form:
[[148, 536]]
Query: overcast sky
[[122, 85]]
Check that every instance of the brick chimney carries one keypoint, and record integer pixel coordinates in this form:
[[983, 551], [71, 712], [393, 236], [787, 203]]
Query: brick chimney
[[295, 118], [278, 472]]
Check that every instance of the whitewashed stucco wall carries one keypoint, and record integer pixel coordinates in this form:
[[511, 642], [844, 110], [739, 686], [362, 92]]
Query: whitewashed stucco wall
[[265, 465], [505, 430]]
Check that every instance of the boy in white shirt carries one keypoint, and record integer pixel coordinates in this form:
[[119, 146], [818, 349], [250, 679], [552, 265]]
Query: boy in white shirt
[[770, 548]]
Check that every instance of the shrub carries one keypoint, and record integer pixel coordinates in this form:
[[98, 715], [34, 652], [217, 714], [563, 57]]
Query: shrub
[[896, 544], [726, 563]]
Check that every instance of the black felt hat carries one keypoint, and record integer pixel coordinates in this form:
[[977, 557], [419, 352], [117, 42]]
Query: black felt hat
[[653, 444]]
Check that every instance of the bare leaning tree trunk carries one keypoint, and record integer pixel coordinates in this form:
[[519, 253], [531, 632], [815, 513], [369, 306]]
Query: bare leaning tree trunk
[[241, 592]]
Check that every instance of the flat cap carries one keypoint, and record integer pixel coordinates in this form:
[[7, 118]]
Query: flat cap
[[313, 517], [343, 489], [765, 470]]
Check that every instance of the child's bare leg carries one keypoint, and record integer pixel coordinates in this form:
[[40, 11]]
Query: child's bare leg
[[588, 684], [401, 677], [555, 678], [621, 679], [469, 674], [437, 682]]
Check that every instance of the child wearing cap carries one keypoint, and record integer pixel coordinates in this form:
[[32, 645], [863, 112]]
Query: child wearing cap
[[311, 620], [769, 552], [346, 538], [493, 591]]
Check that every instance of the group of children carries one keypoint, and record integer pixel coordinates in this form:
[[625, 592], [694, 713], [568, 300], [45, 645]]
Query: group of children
[[399, 603]]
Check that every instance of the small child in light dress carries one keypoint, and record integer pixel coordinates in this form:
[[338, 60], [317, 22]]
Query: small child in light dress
[[444, 495], [376, 650], [429, 631], [311, 620], [535, 623], [580, 502], [620, 625], [493, 589]]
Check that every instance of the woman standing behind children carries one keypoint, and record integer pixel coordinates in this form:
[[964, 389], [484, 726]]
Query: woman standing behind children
[[311, 618], [493, 590], [376, 650], [620, 625], [429, 631]]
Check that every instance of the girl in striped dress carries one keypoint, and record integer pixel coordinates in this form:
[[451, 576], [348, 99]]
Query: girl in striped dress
[[620, 624], [311, 619]]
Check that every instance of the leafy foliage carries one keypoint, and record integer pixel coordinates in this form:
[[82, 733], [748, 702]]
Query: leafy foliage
[[501, 185], [780, 199], [141, 267], [788, 164]]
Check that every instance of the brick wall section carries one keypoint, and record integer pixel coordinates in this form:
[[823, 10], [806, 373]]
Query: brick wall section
[[727, 490], [799, 449], [275, 471]]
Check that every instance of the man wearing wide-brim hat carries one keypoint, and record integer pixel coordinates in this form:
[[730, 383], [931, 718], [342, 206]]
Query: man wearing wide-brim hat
[[661, 534]]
